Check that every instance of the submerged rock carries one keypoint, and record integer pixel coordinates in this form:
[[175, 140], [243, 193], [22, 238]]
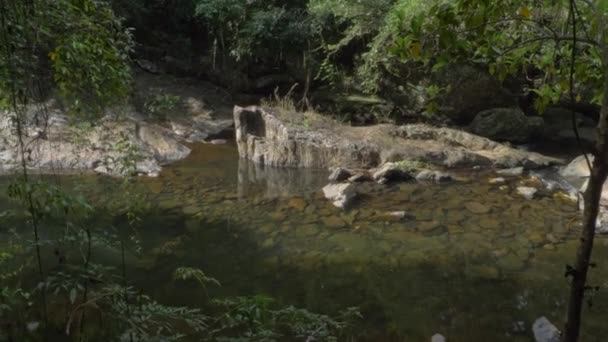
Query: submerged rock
[[514, 172], [333, 222], [433, 176], [340, 194], [545, 331], [438, 338], [477, 208], [497, 180], [527, 192]]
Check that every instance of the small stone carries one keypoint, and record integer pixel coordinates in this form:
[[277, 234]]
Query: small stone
[[455, 216], [278, 216], [33, 326], [268, 243], [536, 238], [454, 229], [438, 338], [514, 172], [398, 214], [297, 203], [497, 180], [551, 238], [340, 194], [527, 192], [499, 253], [549, 247], [433, 176], [489, 223], [391, 172], [339, 175], [428, 226], [360, 178], [333, 222], [545, 331], [477, 208]]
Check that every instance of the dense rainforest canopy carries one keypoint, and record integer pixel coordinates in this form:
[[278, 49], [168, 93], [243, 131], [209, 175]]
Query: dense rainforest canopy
[[363, 61], [405, 50]]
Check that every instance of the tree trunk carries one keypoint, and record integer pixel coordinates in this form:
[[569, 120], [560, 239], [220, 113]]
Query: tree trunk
[[583, 255], [592, 198]]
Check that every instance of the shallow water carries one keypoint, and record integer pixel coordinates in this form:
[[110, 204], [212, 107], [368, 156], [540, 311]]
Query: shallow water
[[470, 260]]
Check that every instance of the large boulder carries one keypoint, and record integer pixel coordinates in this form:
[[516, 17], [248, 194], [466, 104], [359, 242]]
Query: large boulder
[[578, 168], [263, 137], [112, 146], [471, 90], [274, 139], [506, 124], [558, 126]]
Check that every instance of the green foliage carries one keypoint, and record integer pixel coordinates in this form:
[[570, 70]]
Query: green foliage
[[254, 319], [159, 105], [511, 38], [78, 47], [188, 273], [90, 55]]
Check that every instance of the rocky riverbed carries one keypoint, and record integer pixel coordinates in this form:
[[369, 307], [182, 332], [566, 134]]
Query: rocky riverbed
[[402, 252]]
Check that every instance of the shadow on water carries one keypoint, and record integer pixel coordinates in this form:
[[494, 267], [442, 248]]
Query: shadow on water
[[469, 260]]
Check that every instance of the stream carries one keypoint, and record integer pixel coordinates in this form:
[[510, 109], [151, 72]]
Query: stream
[[471, 260]]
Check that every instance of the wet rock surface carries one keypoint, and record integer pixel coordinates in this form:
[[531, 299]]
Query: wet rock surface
[[266, 137], [123, 141]]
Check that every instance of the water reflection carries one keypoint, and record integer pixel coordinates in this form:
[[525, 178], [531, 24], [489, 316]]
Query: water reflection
[[277, 182]]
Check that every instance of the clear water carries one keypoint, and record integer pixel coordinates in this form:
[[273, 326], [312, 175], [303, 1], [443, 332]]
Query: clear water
[[470, 261]]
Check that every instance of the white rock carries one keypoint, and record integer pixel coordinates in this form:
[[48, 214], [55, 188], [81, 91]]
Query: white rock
[[527, 192], [604, 195], [577, 168], [339, 174], [545, 331], [148, 167], [398, 214], [498, 180], [518, 171], [391, 172], [340, 194], [102, 169], [438, 338]]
